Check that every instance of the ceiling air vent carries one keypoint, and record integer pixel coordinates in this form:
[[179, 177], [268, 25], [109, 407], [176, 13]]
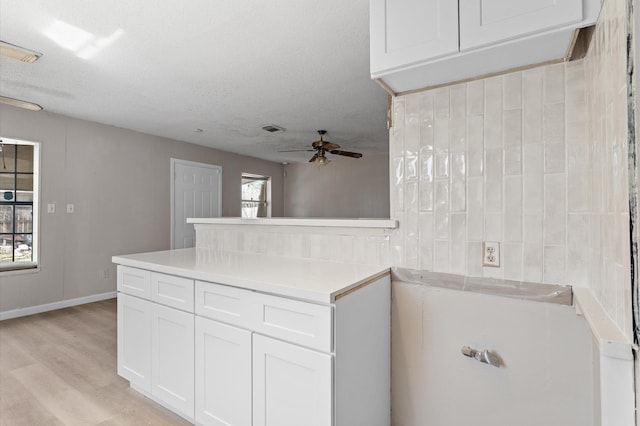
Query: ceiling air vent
[[272, 128]]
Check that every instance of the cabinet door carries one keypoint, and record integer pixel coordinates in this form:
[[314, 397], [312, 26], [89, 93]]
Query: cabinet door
[[484, 22], [134, 341], [223, 374], [292, 386], [405, 32], [172, 363]]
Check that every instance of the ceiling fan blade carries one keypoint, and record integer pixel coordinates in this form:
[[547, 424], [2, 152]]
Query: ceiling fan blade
[[326, 145], [346, 153], [313, 158], [298, 150]]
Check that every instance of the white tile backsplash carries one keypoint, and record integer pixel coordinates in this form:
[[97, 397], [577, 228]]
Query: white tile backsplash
[[513, 209], [369, 247], [554, 83], [500, 159], [493, 227], [512, 91], [532, 104], [533, 172], [553, 124], [512, 127]]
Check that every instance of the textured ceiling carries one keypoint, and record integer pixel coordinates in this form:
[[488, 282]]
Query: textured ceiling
[[227, 67]]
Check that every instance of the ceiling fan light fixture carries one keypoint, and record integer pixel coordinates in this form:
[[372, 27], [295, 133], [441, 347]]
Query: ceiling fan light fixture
[[20, 104], [20, 53], [321, 160]]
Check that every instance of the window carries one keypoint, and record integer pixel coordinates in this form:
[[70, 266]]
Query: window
[[256, 195], [19, 163]]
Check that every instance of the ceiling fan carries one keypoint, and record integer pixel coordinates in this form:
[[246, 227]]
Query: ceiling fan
[[321, 147]]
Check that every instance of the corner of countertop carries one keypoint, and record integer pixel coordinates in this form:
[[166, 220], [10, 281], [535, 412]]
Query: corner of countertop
[[610, 339]]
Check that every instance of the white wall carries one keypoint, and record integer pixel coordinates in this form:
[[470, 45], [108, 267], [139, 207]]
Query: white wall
[[119, 181], [546, 378], [346, 187]]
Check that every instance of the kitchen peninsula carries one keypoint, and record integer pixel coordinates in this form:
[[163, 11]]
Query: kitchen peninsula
[[260, 323]]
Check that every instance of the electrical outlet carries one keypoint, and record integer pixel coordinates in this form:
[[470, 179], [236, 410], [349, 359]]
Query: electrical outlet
[[70, 208], [491, 254], [51, 208], [103, 273]]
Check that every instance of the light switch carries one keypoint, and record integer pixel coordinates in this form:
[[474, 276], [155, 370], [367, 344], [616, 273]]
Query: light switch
[[51, 208], [70, 208]]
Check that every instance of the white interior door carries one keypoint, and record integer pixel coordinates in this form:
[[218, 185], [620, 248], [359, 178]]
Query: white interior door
[[196, 192]]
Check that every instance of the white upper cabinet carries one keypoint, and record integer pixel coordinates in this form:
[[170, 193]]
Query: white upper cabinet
[[411, 29], [421, 43], [484, 22]]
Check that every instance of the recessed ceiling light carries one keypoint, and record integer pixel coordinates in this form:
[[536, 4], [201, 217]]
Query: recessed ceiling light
[[19, 53], [272, 128], [20, 104]]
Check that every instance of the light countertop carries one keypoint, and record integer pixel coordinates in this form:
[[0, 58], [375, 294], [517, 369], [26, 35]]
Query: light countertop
[[313, 280], [295, 221], [609, 338]]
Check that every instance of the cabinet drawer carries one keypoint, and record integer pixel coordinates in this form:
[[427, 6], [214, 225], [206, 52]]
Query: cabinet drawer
[[172, 291], [134, 281], [223, 303], [303, 323]]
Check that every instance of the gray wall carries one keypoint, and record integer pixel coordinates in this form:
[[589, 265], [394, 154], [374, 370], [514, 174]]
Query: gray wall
[[119, 181], [346, 187]]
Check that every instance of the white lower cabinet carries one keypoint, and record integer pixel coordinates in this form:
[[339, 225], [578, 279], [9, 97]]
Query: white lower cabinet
[[223, 374], [172, 353], [238, 357], [292, 385], [134, 340], [156, 342]]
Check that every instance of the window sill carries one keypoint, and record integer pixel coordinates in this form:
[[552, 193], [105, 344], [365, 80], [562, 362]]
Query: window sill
[[18, 268]]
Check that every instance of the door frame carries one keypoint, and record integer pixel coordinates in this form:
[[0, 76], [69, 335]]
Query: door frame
[[174, 162]]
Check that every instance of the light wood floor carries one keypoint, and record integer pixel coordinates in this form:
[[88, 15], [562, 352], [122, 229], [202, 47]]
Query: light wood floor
[[59, 368]]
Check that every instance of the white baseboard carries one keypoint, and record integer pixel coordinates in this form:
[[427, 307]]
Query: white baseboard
[[15, 313]]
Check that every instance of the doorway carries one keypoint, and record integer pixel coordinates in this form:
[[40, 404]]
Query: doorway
[[196, 191]]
